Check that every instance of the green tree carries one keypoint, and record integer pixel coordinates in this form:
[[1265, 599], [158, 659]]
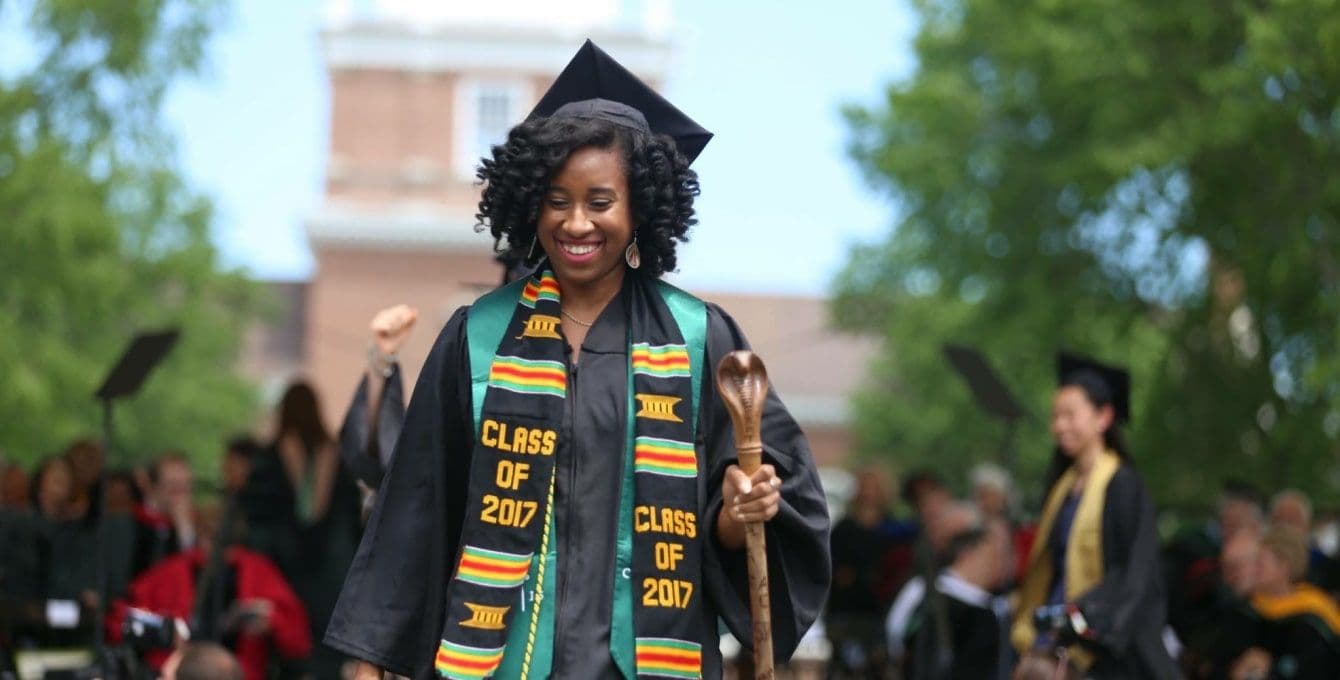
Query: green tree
[[100, 237], [1147, 182]]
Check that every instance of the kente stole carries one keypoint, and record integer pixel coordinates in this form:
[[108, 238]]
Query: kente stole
[[500, 600], [1083, 556]]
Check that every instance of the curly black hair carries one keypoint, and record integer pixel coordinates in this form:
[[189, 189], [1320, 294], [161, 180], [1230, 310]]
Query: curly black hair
[[517, 176]]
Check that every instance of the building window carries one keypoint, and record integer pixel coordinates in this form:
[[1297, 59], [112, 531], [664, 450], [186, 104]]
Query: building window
[[488, 109]]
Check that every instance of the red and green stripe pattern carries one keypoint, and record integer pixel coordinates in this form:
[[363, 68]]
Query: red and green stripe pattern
[[466, 663], [658, 456], [669, 658], [529, 376], [661, 361], [491, 568], [544, 289]]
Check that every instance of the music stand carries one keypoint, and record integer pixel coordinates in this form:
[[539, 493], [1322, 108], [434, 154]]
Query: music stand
[[127, 376], [990, 393]]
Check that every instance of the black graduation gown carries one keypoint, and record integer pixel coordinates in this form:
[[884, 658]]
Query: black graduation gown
[[153, 543], [1302, 646], [976, 636], [1128, 609], [55, 560], [392, 608], [367, 456], [313, 557], [870, 565], [24, 564]]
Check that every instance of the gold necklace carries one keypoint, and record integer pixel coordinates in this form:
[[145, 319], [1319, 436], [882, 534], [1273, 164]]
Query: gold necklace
[[574, 319]]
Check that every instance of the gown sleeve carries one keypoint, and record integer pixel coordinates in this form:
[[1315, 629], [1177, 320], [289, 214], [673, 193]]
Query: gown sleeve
[[394, 593], [368, 456], [799, 560], [1118, 609]]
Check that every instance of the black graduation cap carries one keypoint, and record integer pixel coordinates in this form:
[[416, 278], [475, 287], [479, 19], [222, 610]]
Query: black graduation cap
[[594, 85], [1117, 379], [987, 388], [144, 352]]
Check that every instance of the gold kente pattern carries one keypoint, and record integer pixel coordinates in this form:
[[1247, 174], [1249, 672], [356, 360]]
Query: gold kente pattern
[[658, 407], [484, 618], [541, 326]]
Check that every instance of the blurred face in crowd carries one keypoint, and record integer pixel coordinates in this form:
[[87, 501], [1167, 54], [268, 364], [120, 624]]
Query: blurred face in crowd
[[207, 519], [1078, 425], [86, 465], [987, 563], [54, 488], [143, 480], [931, 501], [871, 502], [173, 490], [950, 521], [120, 496], [236, 469], [1237, 562], [1272, 573], [14, 488], [1236, 514], [991, 500], [1291, 511], [870, 489]]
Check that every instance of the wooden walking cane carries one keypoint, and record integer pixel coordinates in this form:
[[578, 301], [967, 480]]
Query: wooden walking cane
[[743, 384]]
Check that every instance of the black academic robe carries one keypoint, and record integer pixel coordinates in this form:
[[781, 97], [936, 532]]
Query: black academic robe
[[976, 636], [315, 556], [1302, 645], [365, 455], [55, 560], [1128, 609], [155, 539], [24, 564], [1195, 584], [393, 604]]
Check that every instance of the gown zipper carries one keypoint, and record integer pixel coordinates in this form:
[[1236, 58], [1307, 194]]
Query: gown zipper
[[563, 575]]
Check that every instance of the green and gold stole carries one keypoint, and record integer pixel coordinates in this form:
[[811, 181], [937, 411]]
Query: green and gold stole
[[500, 601]]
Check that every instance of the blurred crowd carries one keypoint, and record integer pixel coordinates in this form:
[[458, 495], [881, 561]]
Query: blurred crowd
[[1250, 592], [168, 571], [253, 563]]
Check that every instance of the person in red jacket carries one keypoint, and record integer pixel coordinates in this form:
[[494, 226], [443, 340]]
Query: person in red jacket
[[260, 614]]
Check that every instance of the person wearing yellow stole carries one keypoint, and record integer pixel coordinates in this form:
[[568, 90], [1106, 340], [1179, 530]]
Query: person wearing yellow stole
[[563, 500], [1288, 629], [1095, 562]]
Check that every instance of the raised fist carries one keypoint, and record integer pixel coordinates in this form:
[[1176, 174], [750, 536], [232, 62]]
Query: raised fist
[[391, 326]]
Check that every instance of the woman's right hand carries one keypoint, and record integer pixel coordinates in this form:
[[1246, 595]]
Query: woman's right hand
[[367, 671]]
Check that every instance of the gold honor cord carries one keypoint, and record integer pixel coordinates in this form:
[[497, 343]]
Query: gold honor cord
[[537, 601]]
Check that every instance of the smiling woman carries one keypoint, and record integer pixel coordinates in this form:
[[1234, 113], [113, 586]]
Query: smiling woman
[[543, 521], [592, 196], [1096, 557]]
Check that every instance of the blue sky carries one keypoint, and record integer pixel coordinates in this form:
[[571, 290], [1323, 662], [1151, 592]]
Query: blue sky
[[780, 205]]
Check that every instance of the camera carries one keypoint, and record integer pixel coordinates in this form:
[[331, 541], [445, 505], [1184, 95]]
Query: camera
[[146, 630], [1065, 621], [1050, 618]]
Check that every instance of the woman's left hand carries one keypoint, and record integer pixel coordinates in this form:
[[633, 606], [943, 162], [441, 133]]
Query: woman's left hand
[[746, 499], [751, 498]]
